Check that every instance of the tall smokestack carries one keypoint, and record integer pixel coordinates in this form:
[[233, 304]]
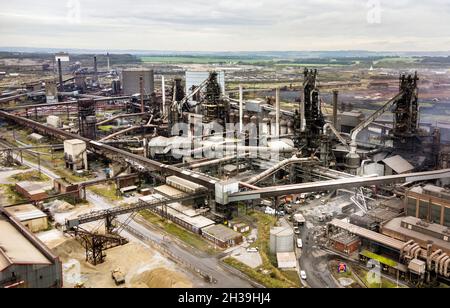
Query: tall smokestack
[[241, 108], [107, 59], [95, 69], [163, 91], [141, 86], [61, 84], [335, 107], [277, 107]]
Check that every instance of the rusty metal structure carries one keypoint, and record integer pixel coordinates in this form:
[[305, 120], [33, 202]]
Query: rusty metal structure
[[309, 119], [406, 113]]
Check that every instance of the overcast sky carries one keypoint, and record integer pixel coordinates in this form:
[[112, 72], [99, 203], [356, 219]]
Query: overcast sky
[[227, 25]]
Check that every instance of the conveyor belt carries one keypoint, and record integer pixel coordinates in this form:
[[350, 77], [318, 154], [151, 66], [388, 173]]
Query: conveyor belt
[[137, 161], [347, 183]]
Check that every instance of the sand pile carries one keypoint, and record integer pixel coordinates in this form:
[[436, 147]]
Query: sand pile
[[60, 206], [161, 278]]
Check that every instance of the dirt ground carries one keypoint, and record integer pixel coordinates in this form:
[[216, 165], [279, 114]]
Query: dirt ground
[[142, 267]]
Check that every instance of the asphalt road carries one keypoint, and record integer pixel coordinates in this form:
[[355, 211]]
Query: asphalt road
[[314, 262]]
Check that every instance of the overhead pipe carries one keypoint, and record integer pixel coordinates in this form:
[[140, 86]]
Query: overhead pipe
[[214, 162], [355, 132], [439, 261], [442, 266], [410, 242], [412, 249], [336, 133], [446, 266], [433, 255], [280, 165]]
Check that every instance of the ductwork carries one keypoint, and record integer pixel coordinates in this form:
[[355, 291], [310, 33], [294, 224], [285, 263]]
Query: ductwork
[[336, 133], [442, 264], [438, 262], [433, 255], [415, 250], [290, 161], [409, 243], [446, 272], [409, 250]]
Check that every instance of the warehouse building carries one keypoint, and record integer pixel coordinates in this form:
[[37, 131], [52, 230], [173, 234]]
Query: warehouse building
[[430, 203], [421, 232], [25, 262], [222, 236], [183, 216], [30, 216], [33, 191]]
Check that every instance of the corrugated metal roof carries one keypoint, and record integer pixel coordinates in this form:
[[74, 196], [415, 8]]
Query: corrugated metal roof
[[371, 235], [16, 248], [26, 212], [398, 164]]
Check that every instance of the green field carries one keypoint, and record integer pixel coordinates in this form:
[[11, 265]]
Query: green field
[[202, 60]]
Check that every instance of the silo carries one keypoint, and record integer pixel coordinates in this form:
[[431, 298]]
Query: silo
[[131, 83], [281, 239]]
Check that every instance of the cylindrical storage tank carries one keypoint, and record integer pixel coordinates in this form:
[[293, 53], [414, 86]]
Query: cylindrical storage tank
[[283, 127], [265, 127], [131, 81], [281, 239], [273, 126]]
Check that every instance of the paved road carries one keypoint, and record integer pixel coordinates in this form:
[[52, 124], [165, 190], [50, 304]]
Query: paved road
[[314, 262], [208, 264]]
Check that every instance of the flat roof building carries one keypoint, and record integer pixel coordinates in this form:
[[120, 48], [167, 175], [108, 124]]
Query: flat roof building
[[222, 236], [30, 216]]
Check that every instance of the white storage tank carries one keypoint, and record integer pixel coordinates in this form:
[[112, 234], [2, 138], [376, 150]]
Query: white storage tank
[[281, 239]]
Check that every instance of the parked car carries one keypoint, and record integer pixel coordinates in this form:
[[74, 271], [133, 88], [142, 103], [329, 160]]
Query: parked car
[[299, 243], [253, 250], [303, 275], [118, 277], [296, 230]]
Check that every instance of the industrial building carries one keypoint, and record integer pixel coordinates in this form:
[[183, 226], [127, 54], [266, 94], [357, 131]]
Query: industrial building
[[25, 262], [222, 236], [201, 156], [31, 217], [430, 203], [32, 191]]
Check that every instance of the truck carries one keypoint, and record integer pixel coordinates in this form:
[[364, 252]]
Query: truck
[[118, 277]]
